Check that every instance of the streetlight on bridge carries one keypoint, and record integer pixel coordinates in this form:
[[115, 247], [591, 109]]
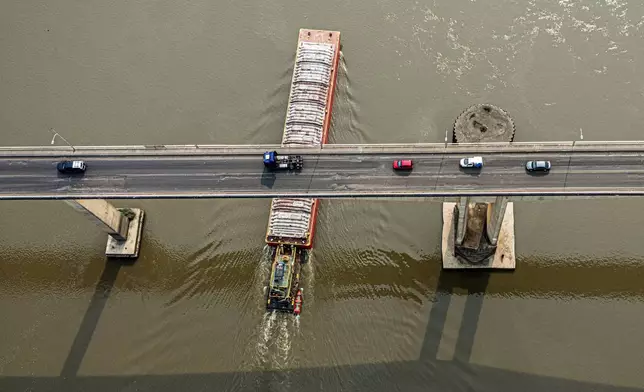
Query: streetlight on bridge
[[53, 139]]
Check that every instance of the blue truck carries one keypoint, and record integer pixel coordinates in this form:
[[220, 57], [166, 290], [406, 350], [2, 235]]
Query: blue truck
[[274, 161]]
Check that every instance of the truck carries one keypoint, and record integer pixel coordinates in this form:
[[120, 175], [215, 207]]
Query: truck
[[274, 161], [475, 162]]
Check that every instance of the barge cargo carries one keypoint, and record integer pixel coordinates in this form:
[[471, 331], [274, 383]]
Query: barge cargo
[[291, 224]]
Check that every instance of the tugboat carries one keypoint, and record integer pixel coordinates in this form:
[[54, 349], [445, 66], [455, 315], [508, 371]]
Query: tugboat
[[283, 286]]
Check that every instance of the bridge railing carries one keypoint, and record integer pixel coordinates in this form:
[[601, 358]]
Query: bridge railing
[[329, 149]]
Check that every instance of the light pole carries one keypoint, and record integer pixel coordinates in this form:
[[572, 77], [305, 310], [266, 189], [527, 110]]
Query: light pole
[[53, 139]]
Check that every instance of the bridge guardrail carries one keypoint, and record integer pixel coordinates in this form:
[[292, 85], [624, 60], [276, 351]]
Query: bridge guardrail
[[134, 150], [329, 149], [527, 194]]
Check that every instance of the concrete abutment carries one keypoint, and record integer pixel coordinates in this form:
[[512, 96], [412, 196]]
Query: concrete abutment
[[123, 226]]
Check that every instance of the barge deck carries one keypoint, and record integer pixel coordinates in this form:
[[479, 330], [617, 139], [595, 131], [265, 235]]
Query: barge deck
[[292, 221]]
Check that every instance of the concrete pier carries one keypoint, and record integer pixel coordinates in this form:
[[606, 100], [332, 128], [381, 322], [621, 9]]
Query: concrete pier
[[461, 212], [477, 232], [503, 255], [123, 226], [495, 217], [484, 123]]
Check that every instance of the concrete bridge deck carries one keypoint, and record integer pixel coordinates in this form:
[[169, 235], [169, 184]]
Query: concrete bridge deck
[[340, 175]]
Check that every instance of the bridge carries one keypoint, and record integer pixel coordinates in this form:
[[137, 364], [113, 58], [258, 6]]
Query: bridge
[[478, 218], [590, 169], [477, 210]]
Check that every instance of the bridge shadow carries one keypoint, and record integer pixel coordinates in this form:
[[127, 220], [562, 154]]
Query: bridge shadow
[[92, 316], [426, 373], [475, 283]]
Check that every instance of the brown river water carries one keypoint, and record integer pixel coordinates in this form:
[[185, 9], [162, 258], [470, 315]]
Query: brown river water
[[379, 313]]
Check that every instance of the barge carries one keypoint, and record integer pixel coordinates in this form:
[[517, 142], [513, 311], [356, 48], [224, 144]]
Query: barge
[[291, 223]]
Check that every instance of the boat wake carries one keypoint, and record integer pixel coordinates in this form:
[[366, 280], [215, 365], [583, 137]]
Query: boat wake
[[308, 281], [283, 344], [273, 346], [264, 337]]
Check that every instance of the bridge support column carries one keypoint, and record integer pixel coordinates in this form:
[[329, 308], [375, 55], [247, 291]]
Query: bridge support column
[[461, 224], [495, 215], [478, 234], [123, 226]]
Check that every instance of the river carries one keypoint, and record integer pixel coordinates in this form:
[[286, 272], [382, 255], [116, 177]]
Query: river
[[379, 313]]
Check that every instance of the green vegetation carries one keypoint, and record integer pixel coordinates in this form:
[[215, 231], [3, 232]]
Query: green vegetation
[[128, 213]]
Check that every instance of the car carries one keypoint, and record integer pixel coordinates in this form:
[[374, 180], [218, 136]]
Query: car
[[403, 164], [533, 166], [476, 162], [71, 167]]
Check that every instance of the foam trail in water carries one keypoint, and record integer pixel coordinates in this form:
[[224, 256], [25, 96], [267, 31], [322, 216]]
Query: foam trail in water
[[297, 324], [262, 273], [265, 334], [308, 280], [283, 343], [283, 354]]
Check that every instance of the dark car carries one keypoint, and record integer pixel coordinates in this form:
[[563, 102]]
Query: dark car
[[71, 167], [403, 164], [534, 166]]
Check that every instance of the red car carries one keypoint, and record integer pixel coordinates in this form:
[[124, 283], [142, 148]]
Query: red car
[[403, 164]]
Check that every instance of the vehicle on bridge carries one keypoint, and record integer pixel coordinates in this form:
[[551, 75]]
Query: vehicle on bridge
[[403, 164], [535, 166], [274, 161], [475, 162], [71, 167]]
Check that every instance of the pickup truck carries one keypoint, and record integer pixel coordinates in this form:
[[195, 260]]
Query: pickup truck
[[475, 162]]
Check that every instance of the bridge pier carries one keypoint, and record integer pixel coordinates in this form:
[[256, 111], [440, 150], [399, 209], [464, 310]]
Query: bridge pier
[[123, 226], [495, 217], [478, 234], [461, 224]]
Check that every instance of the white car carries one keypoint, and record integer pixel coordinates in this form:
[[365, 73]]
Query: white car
[[476, 162]]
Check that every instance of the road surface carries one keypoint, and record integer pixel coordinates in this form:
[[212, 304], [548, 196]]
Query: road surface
[[324, 176]]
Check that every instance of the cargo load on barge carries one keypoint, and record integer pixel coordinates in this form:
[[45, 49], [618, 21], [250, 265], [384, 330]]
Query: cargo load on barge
[[291, 224]]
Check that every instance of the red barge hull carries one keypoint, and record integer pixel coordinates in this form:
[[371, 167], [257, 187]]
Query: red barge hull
[[292, 221], [306, 126]]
